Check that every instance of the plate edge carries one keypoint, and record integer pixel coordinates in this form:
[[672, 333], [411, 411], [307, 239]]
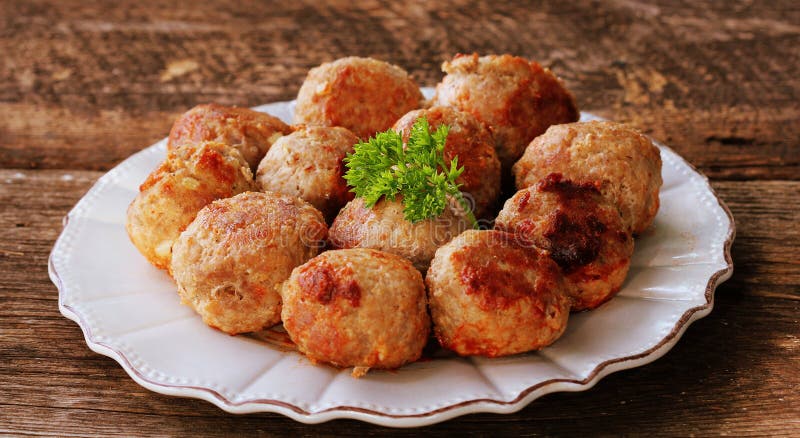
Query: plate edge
[[524, 398]]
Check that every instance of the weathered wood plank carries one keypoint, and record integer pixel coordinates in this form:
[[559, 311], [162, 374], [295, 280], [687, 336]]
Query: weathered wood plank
[[83, 86], [734, 372]]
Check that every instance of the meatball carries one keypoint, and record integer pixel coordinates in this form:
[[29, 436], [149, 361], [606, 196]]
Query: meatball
[[230, 262], [308, 164], [251, 132], [192, 176], [363, 95], [517, 98], [357, 307], [385, 227], [582, 231], [625, 161], [472, 143], [492, 296]]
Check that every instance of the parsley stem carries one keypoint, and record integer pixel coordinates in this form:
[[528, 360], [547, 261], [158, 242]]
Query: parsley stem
[[473, 223]]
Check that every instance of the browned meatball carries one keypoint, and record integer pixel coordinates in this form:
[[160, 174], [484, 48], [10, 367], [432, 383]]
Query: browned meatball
[[230, 262], [357, 307], [192, 176], [491, 296], [472, 143], [582, 231], [385, 227], [363, 95], [625, 161], [517, 98], [308, 164], [251, 132]]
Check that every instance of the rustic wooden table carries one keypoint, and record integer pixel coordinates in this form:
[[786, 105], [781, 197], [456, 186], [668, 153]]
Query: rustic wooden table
[[83, 85]]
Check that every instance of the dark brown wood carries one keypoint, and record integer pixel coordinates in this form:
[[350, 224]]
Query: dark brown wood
[[82, 86], [733, 372]]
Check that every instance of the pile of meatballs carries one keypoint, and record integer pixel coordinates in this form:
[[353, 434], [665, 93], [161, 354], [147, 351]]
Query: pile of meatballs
[[253, 220]]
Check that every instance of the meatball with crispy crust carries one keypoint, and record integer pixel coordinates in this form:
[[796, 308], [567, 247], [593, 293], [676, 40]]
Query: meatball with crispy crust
[[308, 164], [492, 296], [192, 176], [230, 262], [516, 98], [580, 229], [626, 163], [251, 132], [357, 307], [385, 227], [363, 95], [469, 141]]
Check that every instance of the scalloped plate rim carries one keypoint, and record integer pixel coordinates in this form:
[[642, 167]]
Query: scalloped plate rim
[[525, 397]]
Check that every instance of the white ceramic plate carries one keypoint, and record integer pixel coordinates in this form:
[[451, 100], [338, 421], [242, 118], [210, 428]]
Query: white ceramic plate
[[130, 311]]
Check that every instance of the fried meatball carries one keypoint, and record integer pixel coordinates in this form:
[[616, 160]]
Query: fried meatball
[[472, 143], [357, 307], [491, 296], [192, 176], [308, 164], [625, 161], [516, 98], [385, 227], [363, 95], [251, 132], [230, 262], [581, 230]]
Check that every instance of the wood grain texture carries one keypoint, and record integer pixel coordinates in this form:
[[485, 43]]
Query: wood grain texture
[[733, 372], [85, 84]]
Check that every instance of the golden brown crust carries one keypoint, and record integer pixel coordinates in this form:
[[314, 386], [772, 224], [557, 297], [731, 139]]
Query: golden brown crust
[[250, 132], [491, 295], [363, 95], [516, 98], [232, 259], [384, 227], [626, 163], [470, 141], [192, 176], [580, 229], [308, 164], [357, 307]]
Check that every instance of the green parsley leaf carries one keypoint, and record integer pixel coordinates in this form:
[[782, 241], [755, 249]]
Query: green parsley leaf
[[382, 167]]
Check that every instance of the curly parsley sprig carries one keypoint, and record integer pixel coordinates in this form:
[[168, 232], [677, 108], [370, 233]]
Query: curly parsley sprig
[[383, 167]]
